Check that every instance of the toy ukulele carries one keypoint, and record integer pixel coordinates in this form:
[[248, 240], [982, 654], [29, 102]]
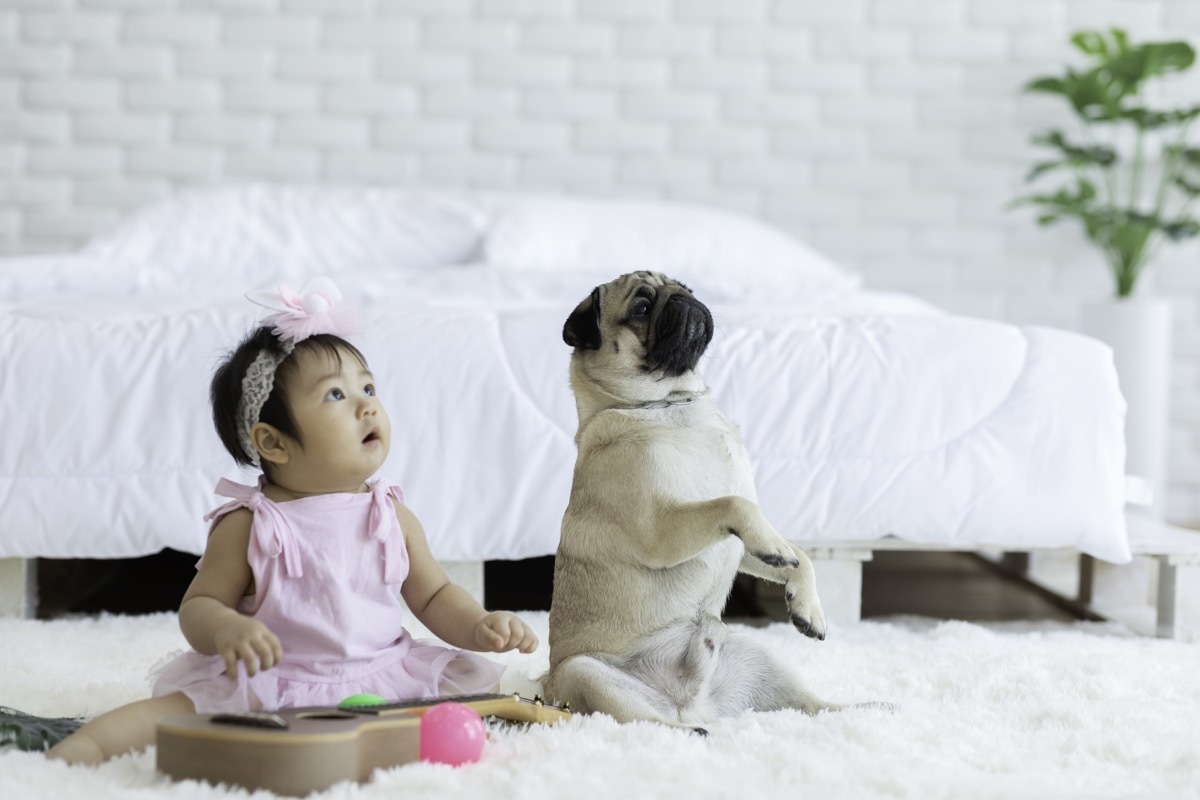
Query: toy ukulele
[[301, 750]]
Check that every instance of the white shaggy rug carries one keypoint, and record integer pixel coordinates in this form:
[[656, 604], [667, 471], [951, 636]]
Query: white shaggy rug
[[1030, 710]]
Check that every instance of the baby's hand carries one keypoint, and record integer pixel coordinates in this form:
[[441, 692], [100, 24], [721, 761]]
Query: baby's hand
[[501, 630], [246, 639]]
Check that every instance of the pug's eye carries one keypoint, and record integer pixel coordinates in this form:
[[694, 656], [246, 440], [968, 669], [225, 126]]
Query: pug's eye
[[641, 308]]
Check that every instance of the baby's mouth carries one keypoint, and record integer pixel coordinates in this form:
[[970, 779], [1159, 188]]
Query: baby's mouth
[[373, 436]]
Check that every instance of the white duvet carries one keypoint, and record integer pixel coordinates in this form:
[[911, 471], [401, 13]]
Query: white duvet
[[865, 414]]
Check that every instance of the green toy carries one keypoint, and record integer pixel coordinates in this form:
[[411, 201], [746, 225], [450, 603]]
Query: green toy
[[362, 699]]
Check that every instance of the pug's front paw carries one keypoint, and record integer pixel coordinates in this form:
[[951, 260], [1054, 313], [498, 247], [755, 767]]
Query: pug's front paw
[[781, 558], [771, 550], [804, 609]]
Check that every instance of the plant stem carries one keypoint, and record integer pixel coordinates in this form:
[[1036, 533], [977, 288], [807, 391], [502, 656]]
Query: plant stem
[[1169, 168], [1107, 173], [1107, 185], [1133, 269], [1113, 257], [1160, 202], [1125, 284], [1160, 238], [1135, 180]]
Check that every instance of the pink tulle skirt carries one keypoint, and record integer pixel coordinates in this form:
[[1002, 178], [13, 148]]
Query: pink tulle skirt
[[423, 669]]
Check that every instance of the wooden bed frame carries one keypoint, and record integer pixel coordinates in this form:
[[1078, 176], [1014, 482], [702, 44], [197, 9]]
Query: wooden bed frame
[[18, 583], [1176, 551], [839, 577]]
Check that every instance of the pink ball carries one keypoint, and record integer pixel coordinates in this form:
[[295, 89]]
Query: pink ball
[[452, 733]]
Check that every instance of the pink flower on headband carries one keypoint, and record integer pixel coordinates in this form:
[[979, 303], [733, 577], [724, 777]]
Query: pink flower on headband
[[316, 308]]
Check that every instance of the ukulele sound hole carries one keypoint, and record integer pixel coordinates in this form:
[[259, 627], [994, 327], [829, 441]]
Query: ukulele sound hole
[[251, 719], [326, 715]]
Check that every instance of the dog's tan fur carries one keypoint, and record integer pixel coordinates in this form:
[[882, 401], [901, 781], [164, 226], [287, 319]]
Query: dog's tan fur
[[662, 515]]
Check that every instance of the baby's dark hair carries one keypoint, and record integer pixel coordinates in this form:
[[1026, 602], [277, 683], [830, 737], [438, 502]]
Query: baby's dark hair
[[226, 389]]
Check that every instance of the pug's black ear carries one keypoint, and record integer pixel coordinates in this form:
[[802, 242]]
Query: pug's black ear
[[582, 328]]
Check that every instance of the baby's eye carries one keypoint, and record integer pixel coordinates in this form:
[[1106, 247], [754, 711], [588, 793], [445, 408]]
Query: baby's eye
[[335, 394], [369, 389]]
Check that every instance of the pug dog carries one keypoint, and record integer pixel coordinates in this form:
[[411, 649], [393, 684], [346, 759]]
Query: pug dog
[[662, 516]]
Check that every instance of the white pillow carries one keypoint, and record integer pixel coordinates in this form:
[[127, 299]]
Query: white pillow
[[706, 248], [257, 233]]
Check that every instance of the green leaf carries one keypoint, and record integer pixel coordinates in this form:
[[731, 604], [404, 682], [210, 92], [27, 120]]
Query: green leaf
[[1048, 85], [1120, 39], [1181, 229], [1087, 190], [1042, 168], [1066, 202], [1049, 138], [1146, 119], [1094, 94], [1164, 58], [1189, 187], [1181, 115], [1074, 155], [1090, 42], [1138, 64], [1190, 156]]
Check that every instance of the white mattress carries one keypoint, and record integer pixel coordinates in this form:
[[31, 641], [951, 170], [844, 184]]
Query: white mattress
[[865, 414]]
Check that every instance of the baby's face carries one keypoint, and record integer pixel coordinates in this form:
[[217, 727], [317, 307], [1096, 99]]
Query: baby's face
[[345, 432]]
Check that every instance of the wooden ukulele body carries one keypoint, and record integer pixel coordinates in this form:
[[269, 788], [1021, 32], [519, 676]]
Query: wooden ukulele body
[[302, 750]]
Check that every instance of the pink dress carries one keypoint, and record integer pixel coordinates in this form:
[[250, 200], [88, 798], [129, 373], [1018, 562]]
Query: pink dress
[[327, 575]]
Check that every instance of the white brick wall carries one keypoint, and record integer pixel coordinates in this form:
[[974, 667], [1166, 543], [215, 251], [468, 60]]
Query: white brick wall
[[888, 133]]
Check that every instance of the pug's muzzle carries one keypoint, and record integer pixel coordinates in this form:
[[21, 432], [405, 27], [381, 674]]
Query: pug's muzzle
[[682, 331]]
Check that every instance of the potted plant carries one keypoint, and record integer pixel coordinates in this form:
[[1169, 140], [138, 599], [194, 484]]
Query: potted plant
[[1131, 176], [1129, 202]]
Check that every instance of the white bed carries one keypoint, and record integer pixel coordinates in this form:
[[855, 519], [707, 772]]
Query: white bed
[[866, 413]]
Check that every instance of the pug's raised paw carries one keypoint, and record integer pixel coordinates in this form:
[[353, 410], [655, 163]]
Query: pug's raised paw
[[804, 610]]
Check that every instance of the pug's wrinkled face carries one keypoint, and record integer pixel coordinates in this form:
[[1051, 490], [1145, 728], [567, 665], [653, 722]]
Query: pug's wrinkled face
[[642, 328]]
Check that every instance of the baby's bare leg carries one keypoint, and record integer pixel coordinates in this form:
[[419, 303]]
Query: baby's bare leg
[[119, 731]]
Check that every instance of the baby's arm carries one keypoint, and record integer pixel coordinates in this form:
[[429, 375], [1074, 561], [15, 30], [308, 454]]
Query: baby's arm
[[208, 614], [447, 610]]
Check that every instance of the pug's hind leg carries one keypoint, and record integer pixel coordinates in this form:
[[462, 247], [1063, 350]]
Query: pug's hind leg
[[750, 676], [703, 650], [590, 684]]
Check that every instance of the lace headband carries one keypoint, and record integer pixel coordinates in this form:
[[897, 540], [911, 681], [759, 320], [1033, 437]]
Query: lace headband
[[315, 309]]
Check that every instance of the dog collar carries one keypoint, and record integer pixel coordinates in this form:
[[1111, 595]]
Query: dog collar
[[665, 402]]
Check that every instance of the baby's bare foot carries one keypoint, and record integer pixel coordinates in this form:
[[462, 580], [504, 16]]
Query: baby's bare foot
[[77, 748]]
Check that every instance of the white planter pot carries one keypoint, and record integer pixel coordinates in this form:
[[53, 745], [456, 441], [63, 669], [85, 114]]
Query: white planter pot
[[1139, 332]]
